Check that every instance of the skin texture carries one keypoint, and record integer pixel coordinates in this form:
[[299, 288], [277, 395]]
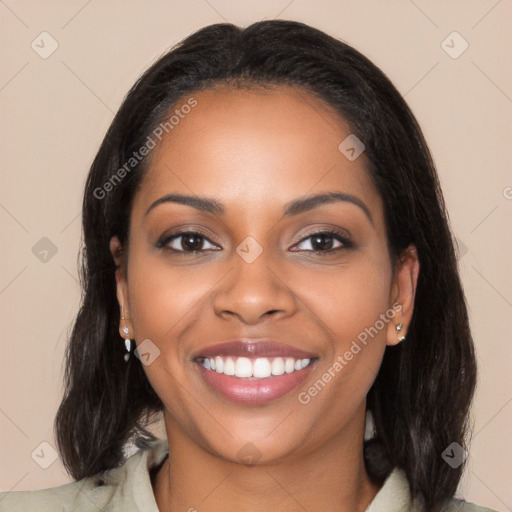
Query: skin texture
[[254, 151]]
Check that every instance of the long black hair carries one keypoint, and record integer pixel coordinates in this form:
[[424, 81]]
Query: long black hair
[[421, 397]]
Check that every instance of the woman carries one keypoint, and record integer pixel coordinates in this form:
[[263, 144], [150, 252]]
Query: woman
[[268, 262]]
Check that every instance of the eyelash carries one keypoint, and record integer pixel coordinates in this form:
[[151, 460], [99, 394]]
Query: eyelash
[[346, 243]]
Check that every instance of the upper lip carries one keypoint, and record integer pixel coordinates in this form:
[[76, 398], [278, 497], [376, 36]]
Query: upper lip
[[247, 347]]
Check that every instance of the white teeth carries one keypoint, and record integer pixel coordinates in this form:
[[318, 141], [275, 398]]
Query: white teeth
[[289, 365], [278, 366], [229, 367], [260, 368], [243, 367]]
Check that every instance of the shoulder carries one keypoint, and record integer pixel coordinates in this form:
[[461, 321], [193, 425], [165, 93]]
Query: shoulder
[[126, 488], [57, 499], [394, 495], [456, 505]]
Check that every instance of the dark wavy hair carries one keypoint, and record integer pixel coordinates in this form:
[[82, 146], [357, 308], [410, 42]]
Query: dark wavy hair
[[420, 400]]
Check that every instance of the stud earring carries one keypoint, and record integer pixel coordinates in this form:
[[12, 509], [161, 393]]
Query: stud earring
[[398, 328], [127, 343]]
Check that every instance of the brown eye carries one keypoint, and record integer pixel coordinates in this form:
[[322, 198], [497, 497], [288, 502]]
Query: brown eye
[[323, 242], [187, 241], [191, 242]]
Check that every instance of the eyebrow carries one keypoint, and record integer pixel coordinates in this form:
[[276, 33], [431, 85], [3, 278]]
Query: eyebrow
[[308, 203], [294, 207], [203, 204]]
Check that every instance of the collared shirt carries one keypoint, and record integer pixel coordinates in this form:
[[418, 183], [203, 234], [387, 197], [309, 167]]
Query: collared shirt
[[128, 489]]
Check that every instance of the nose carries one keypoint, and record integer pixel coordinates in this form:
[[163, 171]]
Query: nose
[[254, 291]]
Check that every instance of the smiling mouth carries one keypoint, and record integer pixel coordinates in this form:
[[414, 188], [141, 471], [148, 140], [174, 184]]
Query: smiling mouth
[[253, 372], [253, 368]]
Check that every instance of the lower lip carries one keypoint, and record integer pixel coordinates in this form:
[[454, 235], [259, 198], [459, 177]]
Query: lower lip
[[260, 391]]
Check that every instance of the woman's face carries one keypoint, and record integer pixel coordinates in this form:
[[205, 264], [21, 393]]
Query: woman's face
[[249, 162]]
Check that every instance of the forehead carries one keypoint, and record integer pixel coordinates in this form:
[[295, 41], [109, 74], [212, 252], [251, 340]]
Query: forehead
[[254, 147]]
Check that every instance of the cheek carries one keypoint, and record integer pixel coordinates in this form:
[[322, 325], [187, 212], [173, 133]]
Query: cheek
[[350, 299], [353, 305], [161, 297], [165, 301]]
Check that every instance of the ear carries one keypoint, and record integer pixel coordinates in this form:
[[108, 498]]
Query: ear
[[403, 291], [117, 251]]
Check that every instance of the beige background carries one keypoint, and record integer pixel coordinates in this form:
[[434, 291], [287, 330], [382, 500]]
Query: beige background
[[55, 112]]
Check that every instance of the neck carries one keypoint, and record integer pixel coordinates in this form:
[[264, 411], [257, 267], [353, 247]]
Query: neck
[[332, 477]]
